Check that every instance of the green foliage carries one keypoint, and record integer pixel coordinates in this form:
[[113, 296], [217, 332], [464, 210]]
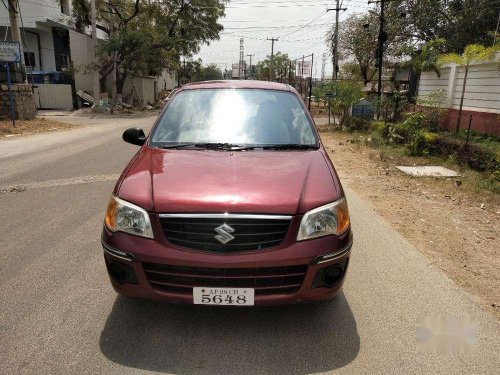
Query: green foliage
[[280, 64], [472, 155], [357, 124], [411, 133], [145, 37], [346, 93], [358, 43], [426, 58], [458, 22], [209, 73], [433, 108], [473, 53]]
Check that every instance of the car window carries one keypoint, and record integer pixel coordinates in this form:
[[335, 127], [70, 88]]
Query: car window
[[236, 116]]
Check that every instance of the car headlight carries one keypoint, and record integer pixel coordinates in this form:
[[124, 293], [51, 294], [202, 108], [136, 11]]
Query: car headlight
[[127, 217], [332, 218]]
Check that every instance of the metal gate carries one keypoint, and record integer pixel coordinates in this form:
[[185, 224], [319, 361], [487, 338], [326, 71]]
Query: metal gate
[[53, 96]]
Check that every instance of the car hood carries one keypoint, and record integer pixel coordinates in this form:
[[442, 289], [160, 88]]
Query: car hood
[[279, 182]]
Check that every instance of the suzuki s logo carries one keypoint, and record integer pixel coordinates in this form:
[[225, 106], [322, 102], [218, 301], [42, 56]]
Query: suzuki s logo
[[224, 235]]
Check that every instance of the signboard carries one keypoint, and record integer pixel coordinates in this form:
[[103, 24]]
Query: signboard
[[329, 95], [10, 52], [303, 69]]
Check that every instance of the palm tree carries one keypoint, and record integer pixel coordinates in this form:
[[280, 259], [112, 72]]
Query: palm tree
[[427, 57], [473, 54]]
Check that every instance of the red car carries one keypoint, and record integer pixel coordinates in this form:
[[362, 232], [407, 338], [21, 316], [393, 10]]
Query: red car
[[231, 200]]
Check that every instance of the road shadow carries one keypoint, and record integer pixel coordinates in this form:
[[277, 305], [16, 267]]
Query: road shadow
[[186, 339]]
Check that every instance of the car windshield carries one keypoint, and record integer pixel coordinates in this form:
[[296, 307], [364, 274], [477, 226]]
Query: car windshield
[[235, 117]]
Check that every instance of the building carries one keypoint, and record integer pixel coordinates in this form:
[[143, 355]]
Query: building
[[51, 46]]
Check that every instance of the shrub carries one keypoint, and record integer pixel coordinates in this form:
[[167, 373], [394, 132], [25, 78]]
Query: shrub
[[433, 106], [442, 145], [357, 124], [476, 157], [379, 130], [409, 133]]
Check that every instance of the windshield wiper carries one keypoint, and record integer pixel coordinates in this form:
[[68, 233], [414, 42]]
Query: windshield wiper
[[224, 146], [180, 145], [290, 146]]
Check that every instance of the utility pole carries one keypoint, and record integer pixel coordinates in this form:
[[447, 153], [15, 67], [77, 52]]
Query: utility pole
[[311, 82], [95, 78], [382, 38], [251, 75], [337, 9], [301, 74], [15, 31], [272, 57]]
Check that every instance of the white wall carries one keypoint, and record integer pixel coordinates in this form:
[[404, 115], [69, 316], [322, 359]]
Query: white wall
[[167, 80], [81, 52], [482, 92], [46, 46], [429, 81]]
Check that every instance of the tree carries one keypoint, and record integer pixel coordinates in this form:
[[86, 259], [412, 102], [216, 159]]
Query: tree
[[209, 73], [427, 56], [346, 93], [190, 70], [143, 36], [473, 54], [281, 65], [458, 22], [357, 43]]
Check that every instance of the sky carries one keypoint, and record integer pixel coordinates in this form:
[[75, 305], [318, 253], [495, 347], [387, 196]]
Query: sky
[[300, 26]]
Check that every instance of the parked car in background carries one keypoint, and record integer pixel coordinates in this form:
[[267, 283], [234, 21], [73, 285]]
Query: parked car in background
[[231, 200]]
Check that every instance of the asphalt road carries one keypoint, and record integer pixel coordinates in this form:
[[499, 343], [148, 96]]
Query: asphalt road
[[60, 315]]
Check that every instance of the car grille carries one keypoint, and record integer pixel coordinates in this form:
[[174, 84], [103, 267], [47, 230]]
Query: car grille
[[265, 280], [249, 234]]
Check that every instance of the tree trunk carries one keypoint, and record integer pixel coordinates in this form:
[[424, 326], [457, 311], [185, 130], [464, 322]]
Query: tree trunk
[[120, 81], [102, 83], [459, 118]]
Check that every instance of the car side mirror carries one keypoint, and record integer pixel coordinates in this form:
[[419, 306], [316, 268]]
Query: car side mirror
[[135, 136]]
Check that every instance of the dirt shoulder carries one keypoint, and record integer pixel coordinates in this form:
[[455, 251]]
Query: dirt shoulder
[[457, 228], [37, 125]]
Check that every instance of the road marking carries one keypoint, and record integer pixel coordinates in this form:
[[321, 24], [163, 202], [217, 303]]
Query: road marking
[[62, 182]]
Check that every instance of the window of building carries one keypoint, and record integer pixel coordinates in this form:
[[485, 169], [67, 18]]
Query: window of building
[[64, 61], [29, 59]]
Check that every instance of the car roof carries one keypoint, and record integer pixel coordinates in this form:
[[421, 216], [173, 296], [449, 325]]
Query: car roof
[[237, 84]]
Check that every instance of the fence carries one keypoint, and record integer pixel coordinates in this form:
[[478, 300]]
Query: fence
[[481, 98]]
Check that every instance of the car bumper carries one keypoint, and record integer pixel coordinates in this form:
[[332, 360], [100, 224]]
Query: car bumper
[[133, 256]]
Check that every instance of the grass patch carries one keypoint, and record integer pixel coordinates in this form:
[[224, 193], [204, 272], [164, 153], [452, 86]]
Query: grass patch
[[37, 125], [392, 153]]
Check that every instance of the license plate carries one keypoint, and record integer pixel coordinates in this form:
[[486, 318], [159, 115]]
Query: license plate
[[224, 296]]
